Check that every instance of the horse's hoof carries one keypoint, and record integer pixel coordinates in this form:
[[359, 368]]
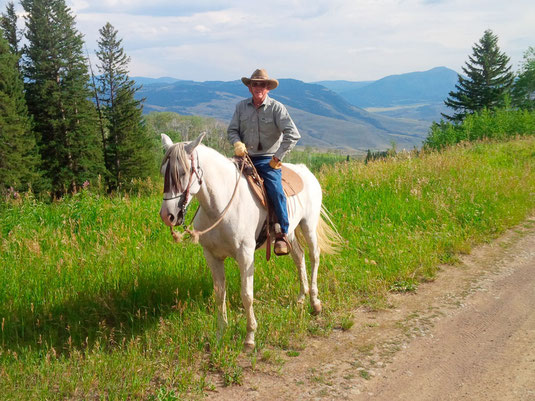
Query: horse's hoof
[[248, 347], [316, 308]]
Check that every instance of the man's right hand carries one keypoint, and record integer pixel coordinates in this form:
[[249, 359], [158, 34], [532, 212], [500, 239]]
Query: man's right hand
[[240, 149]]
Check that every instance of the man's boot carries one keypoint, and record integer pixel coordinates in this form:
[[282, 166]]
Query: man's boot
[[282, 245]]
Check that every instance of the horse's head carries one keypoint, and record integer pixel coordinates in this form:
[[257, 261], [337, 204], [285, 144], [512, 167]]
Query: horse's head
[[182, 178]]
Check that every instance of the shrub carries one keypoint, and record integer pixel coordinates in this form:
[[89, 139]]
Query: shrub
[[500, 124]]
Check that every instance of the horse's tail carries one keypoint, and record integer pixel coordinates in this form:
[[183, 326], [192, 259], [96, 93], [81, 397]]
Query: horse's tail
[[329, 240]]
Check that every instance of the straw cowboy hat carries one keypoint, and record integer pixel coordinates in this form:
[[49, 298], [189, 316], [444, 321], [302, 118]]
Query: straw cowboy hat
[[261, 75]]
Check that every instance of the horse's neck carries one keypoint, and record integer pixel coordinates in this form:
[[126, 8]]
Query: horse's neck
[[219, 177]]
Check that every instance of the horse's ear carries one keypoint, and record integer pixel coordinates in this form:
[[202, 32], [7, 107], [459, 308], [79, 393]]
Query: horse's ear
[[192, 145], [166, 141]]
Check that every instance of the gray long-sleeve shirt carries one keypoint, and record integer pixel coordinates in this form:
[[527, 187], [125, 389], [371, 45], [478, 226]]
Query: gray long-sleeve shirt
[[266, 131]]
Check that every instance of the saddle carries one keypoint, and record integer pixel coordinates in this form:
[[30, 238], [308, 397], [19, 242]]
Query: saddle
[[292, 184]]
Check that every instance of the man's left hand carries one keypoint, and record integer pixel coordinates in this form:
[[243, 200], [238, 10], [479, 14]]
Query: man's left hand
[[275, 163]]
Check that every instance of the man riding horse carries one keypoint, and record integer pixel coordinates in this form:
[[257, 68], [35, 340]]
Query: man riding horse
[[262, 127]]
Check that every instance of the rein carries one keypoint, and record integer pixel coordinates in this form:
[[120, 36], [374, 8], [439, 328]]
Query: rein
[[195, 234]]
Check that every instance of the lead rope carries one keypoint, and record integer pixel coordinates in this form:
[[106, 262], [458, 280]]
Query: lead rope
[[195, 234]]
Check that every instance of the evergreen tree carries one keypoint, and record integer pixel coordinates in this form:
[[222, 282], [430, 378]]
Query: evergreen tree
[[487, 83], [128, 148], [524, 87], [8, 23], [58, 93], [18, 151]]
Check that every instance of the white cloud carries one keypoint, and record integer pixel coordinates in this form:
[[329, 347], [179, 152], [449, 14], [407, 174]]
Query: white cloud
[[303, 39]]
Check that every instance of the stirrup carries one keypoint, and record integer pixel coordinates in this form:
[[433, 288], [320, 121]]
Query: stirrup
[[282, 245]]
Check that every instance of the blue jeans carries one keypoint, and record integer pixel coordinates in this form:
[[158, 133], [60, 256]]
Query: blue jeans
[[273, 183]]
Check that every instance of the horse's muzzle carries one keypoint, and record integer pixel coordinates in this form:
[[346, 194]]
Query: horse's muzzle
[[170, 219]]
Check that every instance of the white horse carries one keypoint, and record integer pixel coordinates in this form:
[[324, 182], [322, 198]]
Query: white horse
[[191, 169]]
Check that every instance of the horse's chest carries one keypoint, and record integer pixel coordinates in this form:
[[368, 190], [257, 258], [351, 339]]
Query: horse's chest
[[218, 242]]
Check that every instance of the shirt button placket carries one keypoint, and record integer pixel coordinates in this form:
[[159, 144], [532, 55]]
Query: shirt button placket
[[258, 129]]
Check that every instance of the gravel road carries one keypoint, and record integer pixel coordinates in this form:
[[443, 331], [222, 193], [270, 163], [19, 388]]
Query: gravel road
[[468, 335]]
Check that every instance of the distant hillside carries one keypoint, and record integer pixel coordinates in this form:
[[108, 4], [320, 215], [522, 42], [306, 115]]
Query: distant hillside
[[148, 81], [412, 88], [324, 118], [415, 95], [424, 112], [343, 86]]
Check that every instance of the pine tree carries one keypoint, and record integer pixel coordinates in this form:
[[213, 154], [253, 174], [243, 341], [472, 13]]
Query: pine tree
[[8, 23], [128, 149], [487, 83], [58, 93], [524, 86], [18, 151]]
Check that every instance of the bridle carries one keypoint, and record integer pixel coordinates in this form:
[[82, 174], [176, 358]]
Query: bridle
[[183, 207], [185, 195]]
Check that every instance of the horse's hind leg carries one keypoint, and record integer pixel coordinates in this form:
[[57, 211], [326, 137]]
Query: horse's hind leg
[[245, 260], [298, 255], [309, 230], [217, 267]]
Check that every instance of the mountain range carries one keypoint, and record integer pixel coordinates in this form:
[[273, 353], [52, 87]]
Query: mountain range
[[415, 95], [345, 115]]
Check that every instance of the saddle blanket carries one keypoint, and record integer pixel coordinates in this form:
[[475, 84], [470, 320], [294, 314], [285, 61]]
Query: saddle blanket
[[292, 184]]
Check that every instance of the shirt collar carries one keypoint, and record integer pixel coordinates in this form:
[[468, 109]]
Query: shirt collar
[[266, 101]]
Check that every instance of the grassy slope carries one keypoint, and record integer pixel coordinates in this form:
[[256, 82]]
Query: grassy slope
[[97, 301]]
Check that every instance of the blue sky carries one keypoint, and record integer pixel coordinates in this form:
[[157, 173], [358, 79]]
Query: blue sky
[[309, 40]]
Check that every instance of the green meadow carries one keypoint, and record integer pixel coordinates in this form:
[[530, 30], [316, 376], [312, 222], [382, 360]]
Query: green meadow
[[98, 302]]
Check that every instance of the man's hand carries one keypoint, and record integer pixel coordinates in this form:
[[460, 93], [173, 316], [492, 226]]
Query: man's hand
[[240, 149], [275, 163]]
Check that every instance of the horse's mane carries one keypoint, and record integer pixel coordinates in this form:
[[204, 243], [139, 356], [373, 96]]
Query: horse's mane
[[177, 158]]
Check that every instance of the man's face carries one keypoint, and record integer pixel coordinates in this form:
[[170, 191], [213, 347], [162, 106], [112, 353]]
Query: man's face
[[259, 90]]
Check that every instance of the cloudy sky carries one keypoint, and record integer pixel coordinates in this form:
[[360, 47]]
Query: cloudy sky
[[310, 40]]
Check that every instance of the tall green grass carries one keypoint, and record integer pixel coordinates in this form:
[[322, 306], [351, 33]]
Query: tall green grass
[[96, 301]]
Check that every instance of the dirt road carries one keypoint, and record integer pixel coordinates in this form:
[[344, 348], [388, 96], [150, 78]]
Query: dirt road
[[469, 335]]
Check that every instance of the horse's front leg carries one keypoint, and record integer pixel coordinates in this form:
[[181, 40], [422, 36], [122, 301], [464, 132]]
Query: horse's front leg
[[217, 267], [245, 259]]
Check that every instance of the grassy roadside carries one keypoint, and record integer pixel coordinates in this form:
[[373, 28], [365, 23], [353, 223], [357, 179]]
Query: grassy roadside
[[97, 302]]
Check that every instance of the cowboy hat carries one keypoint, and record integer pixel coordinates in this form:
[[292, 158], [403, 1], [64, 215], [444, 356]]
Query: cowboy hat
[[261, 75]]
